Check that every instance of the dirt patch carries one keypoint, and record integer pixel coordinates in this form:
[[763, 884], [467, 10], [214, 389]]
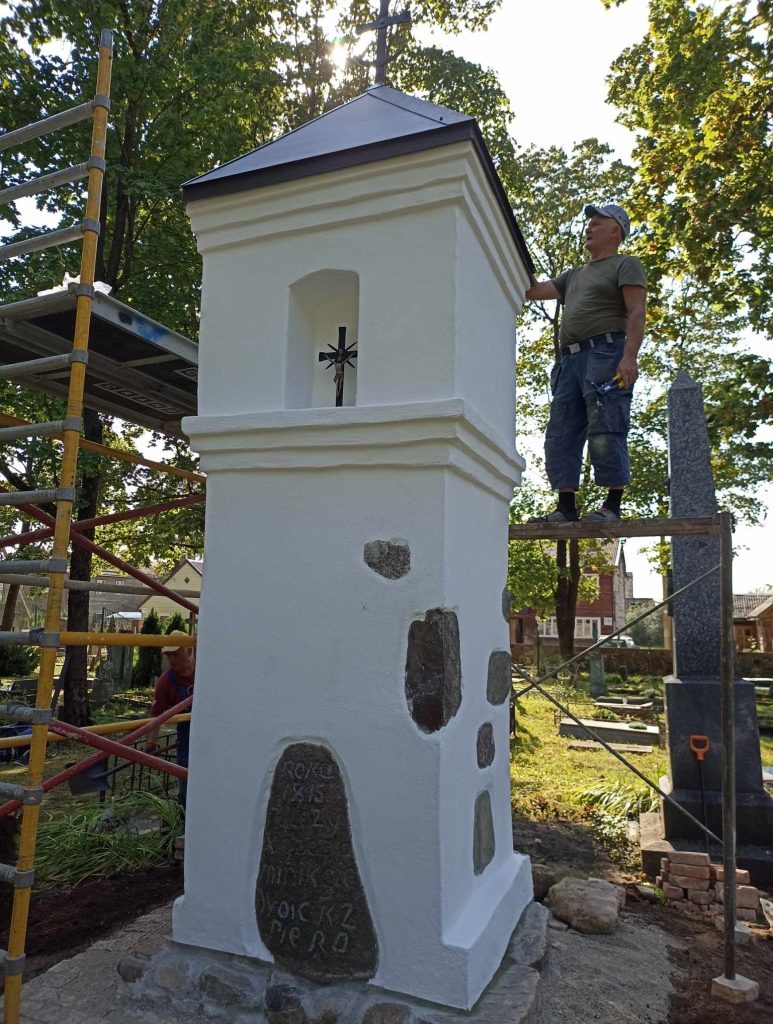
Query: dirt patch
[[669, 943], [566, 846], [698, 957], [63, 922]]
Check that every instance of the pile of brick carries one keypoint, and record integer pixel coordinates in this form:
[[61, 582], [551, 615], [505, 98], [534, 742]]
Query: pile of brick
[[691, 882]]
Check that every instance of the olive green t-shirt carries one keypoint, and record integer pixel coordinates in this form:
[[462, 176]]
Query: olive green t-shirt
[[592, 296]]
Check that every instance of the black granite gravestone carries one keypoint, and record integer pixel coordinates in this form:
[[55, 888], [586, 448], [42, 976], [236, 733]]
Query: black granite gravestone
[[693, 691], [311, 907]]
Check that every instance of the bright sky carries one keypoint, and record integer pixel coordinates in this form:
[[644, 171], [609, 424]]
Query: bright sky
[[552, 58]]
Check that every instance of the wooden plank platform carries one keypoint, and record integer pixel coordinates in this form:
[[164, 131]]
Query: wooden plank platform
[[662, 527]]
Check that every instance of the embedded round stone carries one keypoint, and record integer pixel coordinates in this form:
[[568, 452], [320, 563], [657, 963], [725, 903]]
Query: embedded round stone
[[485, 745], [483, 844], [433, 670], [500, 683], [506, 604], [389, 558], [311, 907]]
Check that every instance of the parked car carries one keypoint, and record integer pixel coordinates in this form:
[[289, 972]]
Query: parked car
[[620, 641]]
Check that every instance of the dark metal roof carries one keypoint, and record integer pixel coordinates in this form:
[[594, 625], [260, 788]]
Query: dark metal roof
[[380, 124], [138, 369]]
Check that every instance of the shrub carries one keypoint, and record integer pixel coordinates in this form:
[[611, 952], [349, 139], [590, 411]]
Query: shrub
[[605, 715], [104, 841], [148, 665], [18, 661], [620, 799], [176, 624]]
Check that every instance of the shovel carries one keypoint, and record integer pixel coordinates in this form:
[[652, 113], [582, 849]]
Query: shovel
[[700, 746], [94, 778]]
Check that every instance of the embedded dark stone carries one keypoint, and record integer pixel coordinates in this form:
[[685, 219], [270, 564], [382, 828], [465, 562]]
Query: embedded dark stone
[[506, 604], [500, 682], [433, 670], [389, 558], [311, 907], [485, 745], [131, 968], [283, 1005], [483, 844]]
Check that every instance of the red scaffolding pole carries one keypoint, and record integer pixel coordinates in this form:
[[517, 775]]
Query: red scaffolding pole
[[13, 539], [81, 766], [95, 549]]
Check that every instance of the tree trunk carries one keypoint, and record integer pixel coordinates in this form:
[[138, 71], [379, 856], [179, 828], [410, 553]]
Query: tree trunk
[[75, 708], [9, 609], [566, 595]]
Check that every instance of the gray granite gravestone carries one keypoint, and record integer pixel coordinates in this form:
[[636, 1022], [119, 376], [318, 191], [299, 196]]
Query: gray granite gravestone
[[693, 691]]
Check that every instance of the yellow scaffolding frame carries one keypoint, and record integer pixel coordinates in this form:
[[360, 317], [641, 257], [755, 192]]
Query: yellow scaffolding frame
[[22, 874]]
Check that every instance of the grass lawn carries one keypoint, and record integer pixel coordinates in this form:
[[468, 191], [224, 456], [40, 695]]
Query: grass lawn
[[547, 777]]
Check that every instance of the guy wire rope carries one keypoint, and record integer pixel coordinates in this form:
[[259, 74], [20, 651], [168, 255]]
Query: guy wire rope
[[14, 963]]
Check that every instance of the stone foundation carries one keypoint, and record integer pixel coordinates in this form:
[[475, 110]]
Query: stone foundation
[[223, 986]]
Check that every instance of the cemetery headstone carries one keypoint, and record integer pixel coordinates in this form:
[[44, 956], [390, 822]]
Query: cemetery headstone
[[693, 691]]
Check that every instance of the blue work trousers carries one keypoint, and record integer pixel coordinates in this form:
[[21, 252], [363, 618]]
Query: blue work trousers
[[579, 412]]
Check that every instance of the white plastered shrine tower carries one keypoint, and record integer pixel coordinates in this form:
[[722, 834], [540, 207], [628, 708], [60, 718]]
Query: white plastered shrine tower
[[349, 794]]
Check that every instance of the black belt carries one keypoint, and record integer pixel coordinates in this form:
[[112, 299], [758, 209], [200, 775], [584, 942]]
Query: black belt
[[598, 339]]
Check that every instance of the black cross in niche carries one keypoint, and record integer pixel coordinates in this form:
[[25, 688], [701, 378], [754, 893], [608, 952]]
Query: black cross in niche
[[380, 27], [339, 358]]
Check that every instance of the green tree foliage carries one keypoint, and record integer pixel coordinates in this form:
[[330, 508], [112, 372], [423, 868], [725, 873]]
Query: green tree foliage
[[18, 661], [148, 666], [176, 624], [648, 632], [696, 91]]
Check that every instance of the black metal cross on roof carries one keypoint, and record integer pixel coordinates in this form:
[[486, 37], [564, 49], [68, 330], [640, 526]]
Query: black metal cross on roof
[[381, 26], [339, 357]]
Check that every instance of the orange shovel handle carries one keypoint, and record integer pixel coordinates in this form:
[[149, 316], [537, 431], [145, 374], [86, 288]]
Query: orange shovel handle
[[700, 746]]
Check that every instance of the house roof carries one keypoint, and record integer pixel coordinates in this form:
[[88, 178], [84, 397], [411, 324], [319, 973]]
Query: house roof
[[747, 606], [765, 605], [379, 124]]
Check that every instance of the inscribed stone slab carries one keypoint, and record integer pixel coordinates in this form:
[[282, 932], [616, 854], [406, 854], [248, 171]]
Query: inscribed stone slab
[[311, 907]]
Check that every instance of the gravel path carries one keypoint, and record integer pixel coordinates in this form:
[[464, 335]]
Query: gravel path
[[608, 979]]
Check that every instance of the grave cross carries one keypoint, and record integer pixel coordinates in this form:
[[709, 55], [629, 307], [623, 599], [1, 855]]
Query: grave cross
[[339, 357], [380, 26]]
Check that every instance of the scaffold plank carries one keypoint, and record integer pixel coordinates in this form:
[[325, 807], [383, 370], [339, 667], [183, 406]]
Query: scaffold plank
[[586, 530]]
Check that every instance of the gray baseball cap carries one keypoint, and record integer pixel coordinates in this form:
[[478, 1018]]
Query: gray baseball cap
[[615, 212]]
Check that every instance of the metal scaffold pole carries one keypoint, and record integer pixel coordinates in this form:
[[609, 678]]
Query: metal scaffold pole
[[23, 877]]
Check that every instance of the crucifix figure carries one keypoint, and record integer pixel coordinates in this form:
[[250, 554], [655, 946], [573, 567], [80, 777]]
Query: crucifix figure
[[339, 357], [381, 27]]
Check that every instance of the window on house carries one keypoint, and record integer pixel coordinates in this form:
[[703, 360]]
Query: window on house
[[583, 627]]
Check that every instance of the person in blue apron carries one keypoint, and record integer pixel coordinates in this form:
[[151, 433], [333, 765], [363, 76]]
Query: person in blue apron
[[174, 685]]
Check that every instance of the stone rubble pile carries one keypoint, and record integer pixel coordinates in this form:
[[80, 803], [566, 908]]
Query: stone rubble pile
[[692, 883]]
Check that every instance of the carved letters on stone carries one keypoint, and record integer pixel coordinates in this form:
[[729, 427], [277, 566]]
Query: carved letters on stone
[[311, 907]]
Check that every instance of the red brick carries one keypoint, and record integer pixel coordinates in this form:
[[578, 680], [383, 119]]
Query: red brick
[[691, 883], [745, 896], [673, 892], [741, 876], [678, 857], [703, 899], [659, 882], [691, 870], [664, 863]]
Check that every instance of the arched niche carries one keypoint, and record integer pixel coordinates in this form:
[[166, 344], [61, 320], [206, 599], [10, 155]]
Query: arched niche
[[320, 303]]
